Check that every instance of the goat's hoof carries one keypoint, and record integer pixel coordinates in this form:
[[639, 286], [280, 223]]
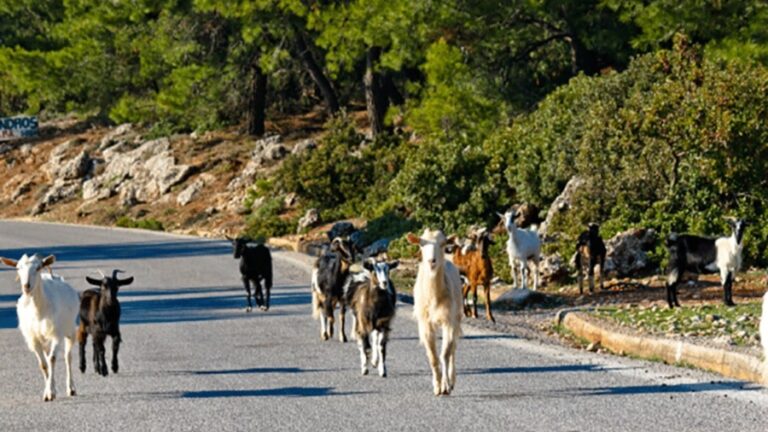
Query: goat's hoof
[[343, 339], [364, 371], [82, 369], [72, 392], [48, 397], [324, 336], [264, 308], [383, 374], [248, 309]]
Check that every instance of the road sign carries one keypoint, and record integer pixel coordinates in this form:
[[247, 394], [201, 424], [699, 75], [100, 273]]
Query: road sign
[[17, 127]]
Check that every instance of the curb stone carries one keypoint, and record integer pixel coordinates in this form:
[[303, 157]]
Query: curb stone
[[730, 364]]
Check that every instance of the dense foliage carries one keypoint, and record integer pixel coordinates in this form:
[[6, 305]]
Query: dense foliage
[[659, 105]]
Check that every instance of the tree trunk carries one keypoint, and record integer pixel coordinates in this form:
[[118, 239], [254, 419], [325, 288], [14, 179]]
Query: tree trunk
[[375, 97], [257, 99], [316, 73]]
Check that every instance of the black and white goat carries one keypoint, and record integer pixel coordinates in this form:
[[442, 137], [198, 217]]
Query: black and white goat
[[329, 284], [700, 255], [590, 252], [255, 266], [373, 306], [100, 317]]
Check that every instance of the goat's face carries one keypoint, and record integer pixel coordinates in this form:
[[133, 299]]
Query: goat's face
[[737, 225], [379, 272], [509, 219], [432, 244], [484, 241], [343, 245], [111, 284], [28, 269], [594, 230], [238, 246]]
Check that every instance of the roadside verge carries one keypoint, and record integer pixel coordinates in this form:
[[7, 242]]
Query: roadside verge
[[726, 363]]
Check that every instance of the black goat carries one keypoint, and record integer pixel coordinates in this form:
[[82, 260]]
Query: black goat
[[590, 251], [330, 280], [255, 266], [100, 317], [701, 255]]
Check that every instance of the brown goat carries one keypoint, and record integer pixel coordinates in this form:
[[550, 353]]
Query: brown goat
[[475, 264]]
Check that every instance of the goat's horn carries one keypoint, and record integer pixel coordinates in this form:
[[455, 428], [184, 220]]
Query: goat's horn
[[101, 273], [115, 272]]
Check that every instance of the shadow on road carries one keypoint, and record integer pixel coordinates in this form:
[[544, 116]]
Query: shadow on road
[[535, 369], [665, 388], [127, 251], [275, 392], [262, 370]]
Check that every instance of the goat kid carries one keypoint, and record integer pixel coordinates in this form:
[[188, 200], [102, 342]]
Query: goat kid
[[437, 303], [47, 311], [522, 246], [590, 252], [702, 255], [373, 305], [255, 267], [100, 317], [330, 283]]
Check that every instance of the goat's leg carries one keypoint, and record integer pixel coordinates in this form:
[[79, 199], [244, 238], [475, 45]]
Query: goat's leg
[[579, 270], [363, 345], [342, 319], [427, 336], [473, 289], [374, 341], [591, 274], [382, 348], [50, 382], [247, 284], [258, 295], [524, 273], [100, 352], [267, 290], [673, 278], [116, 339], [601, 274], [465, 301], [536, 274], [447, 360], [513, 265], [727, 282], [82, 338], [37, 348], [487, 292], [68, 344]]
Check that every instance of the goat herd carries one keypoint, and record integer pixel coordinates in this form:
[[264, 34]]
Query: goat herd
[[49, 307]]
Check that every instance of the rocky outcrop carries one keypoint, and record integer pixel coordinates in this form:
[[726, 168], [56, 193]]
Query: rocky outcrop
[[527, 215], [626, 252], [562, 203], [552, 268], [304, 146], [139, 175], [310, 218]]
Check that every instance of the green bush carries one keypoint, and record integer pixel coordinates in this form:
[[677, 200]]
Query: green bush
[[147, 224], [267, 220]]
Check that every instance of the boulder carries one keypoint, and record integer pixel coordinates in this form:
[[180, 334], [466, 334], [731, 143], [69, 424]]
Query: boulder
[[304, 146], [378, 247], [528, 214], [190, 192], [562, 203], [310, 218], [22, 190], [552, 268], [59, 168], [115, 135], [519, 298], [626, 252], [60, 190], [341, 229], [268, 149]]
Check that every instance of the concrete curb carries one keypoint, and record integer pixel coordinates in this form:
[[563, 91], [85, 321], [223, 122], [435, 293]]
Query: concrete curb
[[730, 364]]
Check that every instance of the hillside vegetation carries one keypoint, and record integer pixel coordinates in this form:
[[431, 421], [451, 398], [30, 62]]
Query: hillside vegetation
[[470, 106]]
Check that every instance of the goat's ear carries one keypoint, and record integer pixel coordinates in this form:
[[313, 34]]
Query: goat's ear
[[451, 239], [127, 281], [393, 264], [48, 260], [9, 262], [368, 265], [228, 238], [93, 281], [413, 239]]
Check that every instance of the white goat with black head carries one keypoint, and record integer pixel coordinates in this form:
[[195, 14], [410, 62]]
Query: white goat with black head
[[47, 311], [100, 317], [701, 255], [373, 301], [522, 246]]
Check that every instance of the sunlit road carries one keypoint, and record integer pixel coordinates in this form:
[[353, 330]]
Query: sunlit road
[[192, 359]]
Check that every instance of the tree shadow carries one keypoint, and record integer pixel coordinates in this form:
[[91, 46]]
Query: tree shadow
[[274, 392], [535, 369], [493, 336], [8, 318], [259, 370], [666, 388], [127, 251]]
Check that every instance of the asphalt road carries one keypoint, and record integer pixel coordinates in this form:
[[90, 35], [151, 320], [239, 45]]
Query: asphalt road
[[192, 359]]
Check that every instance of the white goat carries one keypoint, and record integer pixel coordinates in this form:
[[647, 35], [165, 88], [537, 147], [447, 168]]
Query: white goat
[[437, 302], [47, 311], [522, 246]]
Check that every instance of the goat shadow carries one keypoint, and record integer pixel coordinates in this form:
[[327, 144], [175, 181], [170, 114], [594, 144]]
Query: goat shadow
[[293, 392], [668, 388]]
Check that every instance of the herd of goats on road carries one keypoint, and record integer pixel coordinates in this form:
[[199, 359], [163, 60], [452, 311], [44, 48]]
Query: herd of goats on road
[[49, 307]]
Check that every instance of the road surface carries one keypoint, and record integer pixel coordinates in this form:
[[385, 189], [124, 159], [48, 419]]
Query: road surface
[[192, 359]]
